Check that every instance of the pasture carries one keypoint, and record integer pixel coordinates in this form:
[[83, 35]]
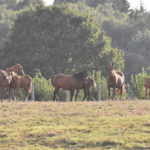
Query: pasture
[[113, 125]]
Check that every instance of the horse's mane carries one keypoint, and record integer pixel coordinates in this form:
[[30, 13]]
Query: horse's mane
[[13, 67], [80, 75]]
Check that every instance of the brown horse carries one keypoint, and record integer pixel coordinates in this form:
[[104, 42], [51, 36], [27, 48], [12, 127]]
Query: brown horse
[[147, 87], [17, 82], [5, 79], [69, 82], [115, 80], [18, 69], [90, 83]]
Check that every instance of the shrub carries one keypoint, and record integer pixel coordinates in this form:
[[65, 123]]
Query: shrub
[[137, 84]]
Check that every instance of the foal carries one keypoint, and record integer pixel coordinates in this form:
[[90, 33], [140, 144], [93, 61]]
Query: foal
[[24, 82], [115, 80]]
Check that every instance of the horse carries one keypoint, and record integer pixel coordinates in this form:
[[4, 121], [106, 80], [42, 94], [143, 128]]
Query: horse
[[115, 80], [5, 79], [18, 82], [90, 83], [68, 82], [147, 87], [18, 69]]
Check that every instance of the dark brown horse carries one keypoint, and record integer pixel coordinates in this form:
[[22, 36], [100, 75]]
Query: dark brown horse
[[115, 80], [69, 82], [18, 82], [5, 79], [147, 87], [90, 83]]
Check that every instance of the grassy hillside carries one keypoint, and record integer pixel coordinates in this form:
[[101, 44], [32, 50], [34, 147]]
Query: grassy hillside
[[75, 125]]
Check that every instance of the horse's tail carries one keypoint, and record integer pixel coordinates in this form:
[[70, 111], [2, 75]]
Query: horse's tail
[[52, 77], [124, 88]]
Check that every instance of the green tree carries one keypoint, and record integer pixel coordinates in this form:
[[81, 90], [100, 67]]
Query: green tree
[[59, 39]]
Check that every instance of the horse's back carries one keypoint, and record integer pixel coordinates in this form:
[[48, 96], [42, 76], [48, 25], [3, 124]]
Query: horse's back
[[121, 74], [66, 82], [21, 81], [26, 81], [147, 83]]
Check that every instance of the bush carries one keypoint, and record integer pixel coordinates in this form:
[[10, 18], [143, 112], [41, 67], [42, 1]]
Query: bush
[[137, 84], [42, 87]]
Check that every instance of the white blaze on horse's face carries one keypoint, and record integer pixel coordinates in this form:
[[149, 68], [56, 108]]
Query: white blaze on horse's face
[[9, 77]]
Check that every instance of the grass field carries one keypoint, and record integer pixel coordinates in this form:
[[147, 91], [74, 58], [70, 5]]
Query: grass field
[[115, 125]]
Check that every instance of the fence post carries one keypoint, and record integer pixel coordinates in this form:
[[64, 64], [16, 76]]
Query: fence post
[[128, 91], [67, 96], [100, 92], [32, 93]]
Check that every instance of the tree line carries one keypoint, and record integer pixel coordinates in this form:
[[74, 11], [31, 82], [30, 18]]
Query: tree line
[[71, 36]]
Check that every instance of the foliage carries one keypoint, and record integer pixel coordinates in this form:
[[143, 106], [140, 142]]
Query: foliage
[[42, 87], [137, 84], [58, 39], [101, 84]]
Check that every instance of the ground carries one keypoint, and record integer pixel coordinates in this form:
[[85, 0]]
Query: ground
[[113, 125]]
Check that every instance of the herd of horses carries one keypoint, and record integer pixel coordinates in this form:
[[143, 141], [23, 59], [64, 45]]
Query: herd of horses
[[15, 78]]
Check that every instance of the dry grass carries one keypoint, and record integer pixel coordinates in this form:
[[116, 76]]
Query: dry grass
[[75, 125]]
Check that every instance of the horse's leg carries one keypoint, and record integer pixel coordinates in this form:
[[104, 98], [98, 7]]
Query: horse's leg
[[146, 92], [3, 93], [113, 92], [85, 94], [77, 91], [149, 93], [55, 92], [71, 93], [15, 95], [109, 92], [120, 92], [10, 91], [88, 94], [27, 94]]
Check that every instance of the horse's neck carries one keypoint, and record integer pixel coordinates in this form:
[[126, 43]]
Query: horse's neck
[[113, 72]]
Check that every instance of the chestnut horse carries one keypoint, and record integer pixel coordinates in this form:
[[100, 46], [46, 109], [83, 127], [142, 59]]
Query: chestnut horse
[[5, 79], [115, 80], [69, 82], [90, 83], [147, 87], [17, 82]]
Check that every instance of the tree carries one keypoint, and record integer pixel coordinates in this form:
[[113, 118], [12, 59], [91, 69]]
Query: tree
[[59, 39]]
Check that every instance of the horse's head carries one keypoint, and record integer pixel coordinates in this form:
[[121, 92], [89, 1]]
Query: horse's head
[[18, 69], [110, 68], [91, 82]]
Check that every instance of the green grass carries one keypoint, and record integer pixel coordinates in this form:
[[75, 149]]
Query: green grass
[[113, 125]]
